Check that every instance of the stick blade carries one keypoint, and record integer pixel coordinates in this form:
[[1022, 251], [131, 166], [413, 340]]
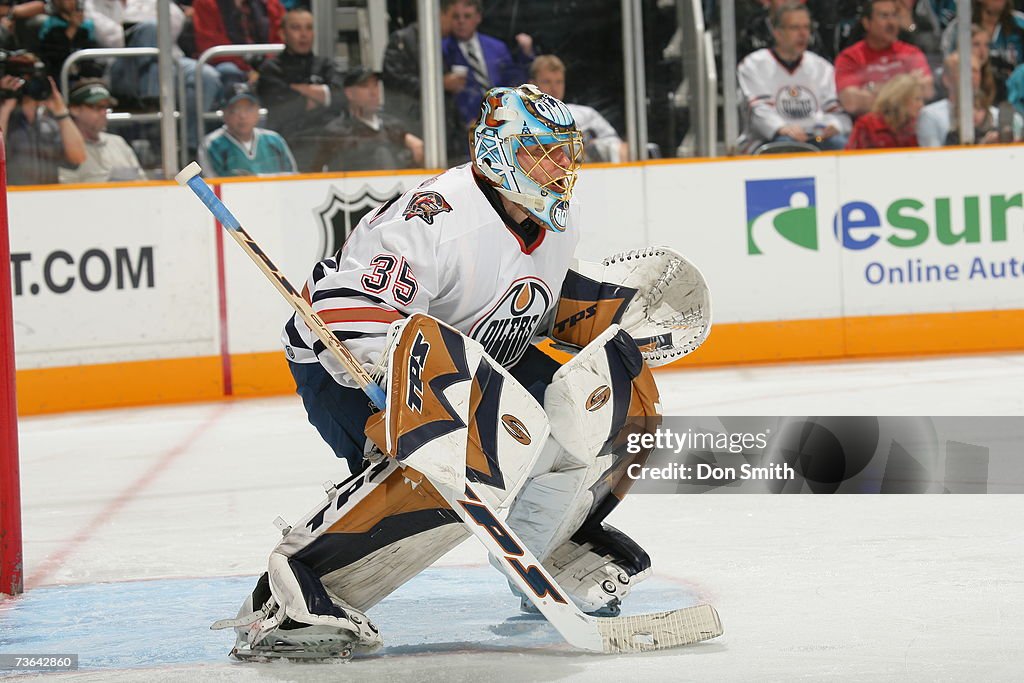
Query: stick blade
[[659, 631]]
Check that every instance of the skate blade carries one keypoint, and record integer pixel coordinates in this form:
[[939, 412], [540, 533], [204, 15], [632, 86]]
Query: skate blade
[[290, 653]]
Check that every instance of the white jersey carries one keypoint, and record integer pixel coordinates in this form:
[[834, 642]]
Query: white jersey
[[599, 136], [439, 249], [777, 97]]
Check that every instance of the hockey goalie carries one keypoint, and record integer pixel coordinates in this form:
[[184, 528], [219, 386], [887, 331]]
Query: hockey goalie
[[443, 295]]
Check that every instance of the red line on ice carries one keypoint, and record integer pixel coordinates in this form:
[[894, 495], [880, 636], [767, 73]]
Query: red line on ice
[[56, 560]]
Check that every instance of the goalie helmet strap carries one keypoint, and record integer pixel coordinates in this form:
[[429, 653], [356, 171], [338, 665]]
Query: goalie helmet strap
[[527, 231]]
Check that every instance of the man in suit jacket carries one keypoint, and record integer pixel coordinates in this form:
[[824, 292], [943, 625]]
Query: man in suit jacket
[[488, 61]]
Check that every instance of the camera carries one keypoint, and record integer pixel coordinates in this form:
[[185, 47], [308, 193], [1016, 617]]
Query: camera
[[28, 67]]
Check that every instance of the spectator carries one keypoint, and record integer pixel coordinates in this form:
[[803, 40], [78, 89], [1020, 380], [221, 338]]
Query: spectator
[[131, 23], [363, 138], [892, 121], [759, 33], [601, 142], [1015, 88], [20, 23], [921, 24], [938, 123], [864, 67], [302, 92], [66, 30], [109, 158], [38, 130], [135, 80], [401, 73], [239, 147], [791, 92], [486, 60], [979, 48], [235, 22], [1004, 28]]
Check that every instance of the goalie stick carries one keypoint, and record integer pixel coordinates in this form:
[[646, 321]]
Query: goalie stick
[[636, 633]]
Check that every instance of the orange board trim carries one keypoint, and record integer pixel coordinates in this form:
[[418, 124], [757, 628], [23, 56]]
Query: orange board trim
[[184, 380]]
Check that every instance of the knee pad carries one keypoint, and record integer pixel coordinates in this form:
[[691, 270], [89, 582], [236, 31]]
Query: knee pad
[[592, 403]]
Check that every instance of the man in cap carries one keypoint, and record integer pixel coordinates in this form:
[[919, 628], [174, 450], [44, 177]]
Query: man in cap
[[241, 148], [364, 138], [108, 157]]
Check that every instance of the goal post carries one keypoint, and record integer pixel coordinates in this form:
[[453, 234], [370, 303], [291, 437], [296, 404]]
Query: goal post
[[11, 569]]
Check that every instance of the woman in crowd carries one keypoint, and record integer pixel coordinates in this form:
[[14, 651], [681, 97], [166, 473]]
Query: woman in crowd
[[1004, 28], [892, 121]]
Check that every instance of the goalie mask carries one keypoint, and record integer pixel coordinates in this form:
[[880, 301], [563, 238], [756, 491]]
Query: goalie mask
[[526, 145]]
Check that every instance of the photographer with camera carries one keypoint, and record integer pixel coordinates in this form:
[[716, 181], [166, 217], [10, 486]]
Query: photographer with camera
[[36, 124]]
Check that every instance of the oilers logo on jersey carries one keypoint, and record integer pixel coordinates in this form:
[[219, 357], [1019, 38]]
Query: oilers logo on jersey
[[506, 330], [796, 102]]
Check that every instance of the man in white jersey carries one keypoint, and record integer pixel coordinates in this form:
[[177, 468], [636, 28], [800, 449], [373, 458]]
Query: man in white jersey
[[790, 92], [483, 249]]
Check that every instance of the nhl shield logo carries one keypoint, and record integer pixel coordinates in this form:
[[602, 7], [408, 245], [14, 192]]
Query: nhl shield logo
[[338, 216], [506, 330]]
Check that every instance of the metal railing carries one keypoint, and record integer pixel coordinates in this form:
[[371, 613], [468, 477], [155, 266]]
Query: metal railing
[[100, 53], [221, 51], [698, 62], [710, 103], [635, 78], [730, 87], [435, 153]]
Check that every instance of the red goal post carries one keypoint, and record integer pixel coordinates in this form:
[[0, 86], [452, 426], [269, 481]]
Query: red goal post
[[11, 571]]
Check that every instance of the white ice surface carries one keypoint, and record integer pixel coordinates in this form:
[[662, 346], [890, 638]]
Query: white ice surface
[[918, 588]]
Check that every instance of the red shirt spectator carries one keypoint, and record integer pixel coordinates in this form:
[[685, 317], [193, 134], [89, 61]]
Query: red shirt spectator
[[865, 66], [236, 22], [861, 67]]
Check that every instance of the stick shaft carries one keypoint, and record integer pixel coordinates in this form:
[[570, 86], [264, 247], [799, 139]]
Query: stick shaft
[[305, 311]]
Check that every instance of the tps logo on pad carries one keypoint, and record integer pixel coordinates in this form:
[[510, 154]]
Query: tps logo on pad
[[785, 207]]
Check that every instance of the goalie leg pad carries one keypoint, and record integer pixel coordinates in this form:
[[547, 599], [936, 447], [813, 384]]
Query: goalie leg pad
[[455, 414], [593, 403], [374, 532]]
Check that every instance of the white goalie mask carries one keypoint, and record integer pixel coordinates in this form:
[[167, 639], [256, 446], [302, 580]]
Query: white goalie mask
[[526, 145]]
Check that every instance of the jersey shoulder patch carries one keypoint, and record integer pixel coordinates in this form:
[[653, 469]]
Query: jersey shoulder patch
[[425, 205]]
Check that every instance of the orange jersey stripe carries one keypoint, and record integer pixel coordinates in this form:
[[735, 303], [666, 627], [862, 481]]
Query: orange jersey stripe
[[365, 314]]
